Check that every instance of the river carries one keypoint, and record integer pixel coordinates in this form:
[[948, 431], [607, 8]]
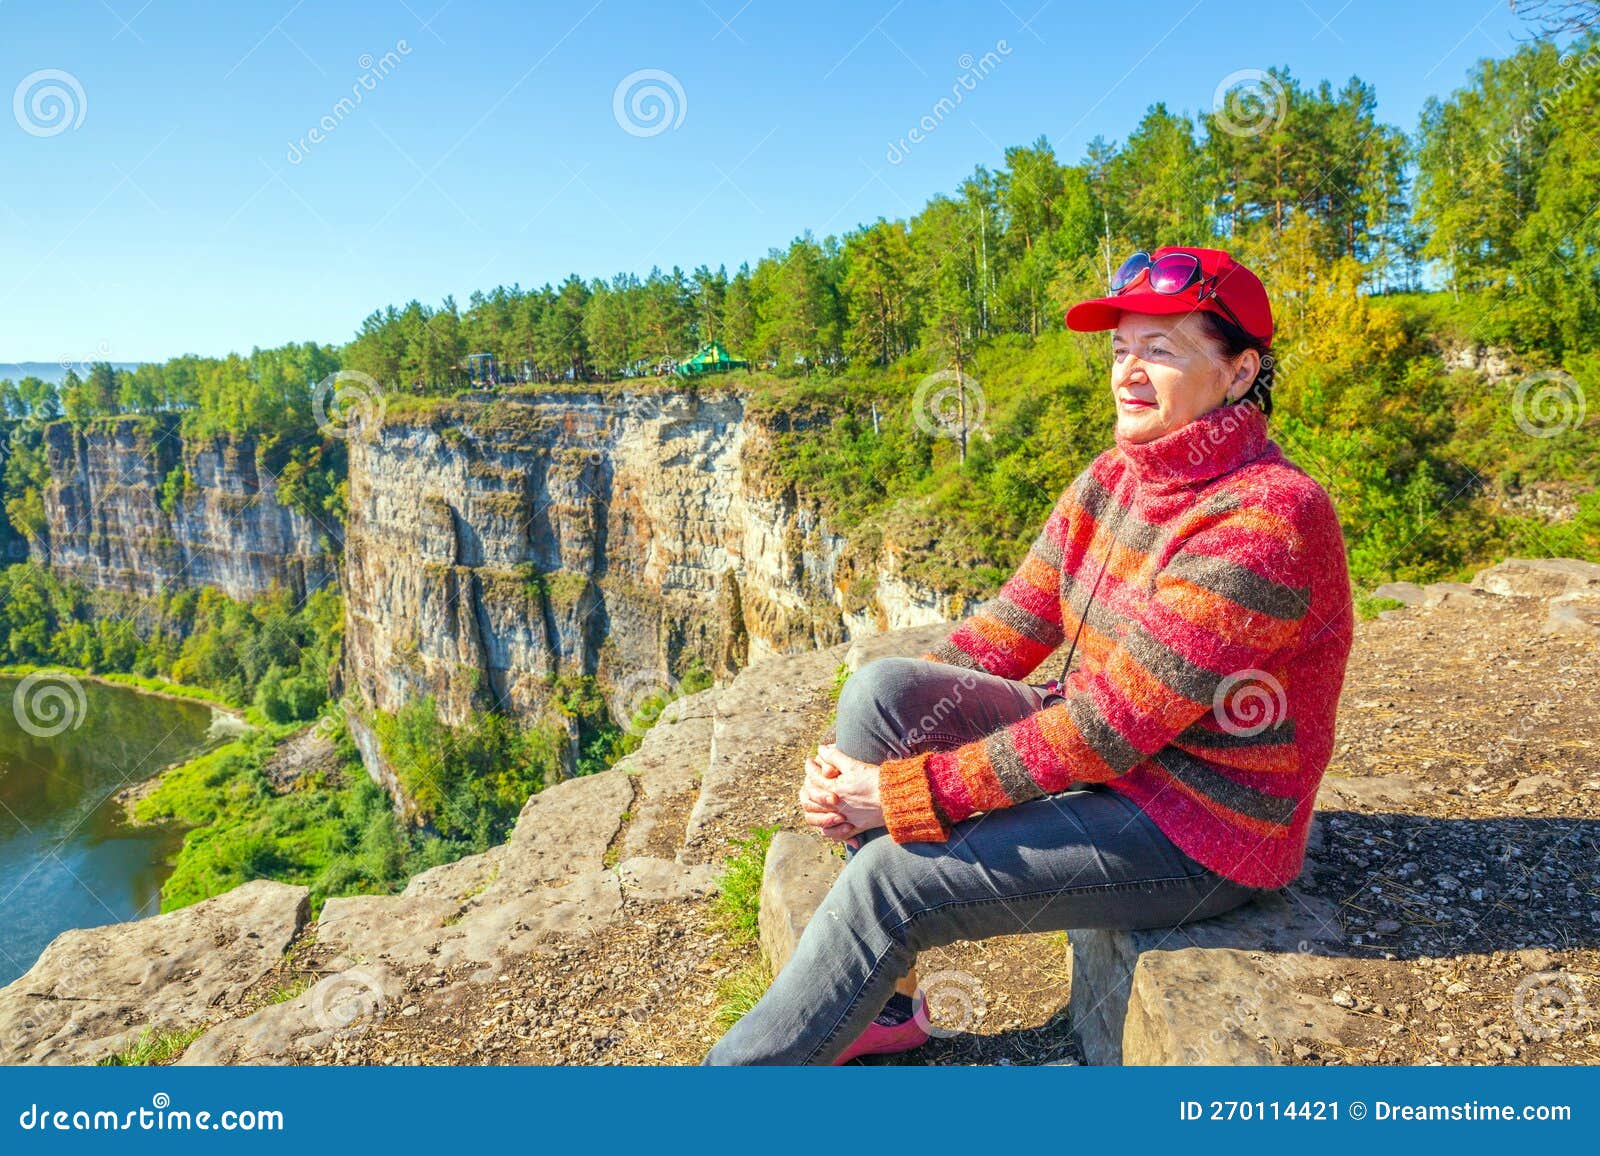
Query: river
[[67, 856]]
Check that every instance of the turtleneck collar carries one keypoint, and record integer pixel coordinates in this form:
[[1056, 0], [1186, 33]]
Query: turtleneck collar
[[1217, 442]]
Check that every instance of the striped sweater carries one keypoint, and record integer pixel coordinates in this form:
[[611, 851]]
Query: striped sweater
[[1210, 662]]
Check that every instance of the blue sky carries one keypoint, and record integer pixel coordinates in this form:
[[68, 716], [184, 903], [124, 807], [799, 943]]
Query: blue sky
[[172, 201]]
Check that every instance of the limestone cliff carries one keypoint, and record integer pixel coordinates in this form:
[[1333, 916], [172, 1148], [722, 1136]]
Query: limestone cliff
[[106, 525], [493, 544]]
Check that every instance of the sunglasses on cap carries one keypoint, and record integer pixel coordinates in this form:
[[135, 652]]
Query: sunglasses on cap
[[1169, 275]]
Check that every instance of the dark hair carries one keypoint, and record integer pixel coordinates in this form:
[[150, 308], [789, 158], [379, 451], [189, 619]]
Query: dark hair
[[1235, 341]]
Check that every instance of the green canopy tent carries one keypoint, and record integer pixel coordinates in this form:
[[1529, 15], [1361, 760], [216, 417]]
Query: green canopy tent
[[711, 358]]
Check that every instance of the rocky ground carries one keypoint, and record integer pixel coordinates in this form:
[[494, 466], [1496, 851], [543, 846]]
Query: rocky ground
[[1463, 862], [1450, 893]]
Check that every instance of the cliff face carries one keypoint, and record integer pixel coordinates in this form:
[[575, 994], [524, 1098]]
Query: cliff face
[[491, 545], [106, 526]]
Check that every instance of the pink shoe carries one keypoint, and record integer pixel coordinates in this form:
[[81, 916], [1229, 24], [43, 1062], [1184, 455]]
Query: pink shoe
[[879, 1040]]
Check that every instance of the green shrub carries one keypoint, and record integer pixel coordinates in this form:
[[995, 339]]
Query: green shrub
[[738, 904]]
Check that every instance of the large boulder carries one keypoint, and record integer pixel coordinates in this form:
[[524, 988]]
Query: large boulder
[[1450, 594], [1206, 1005], [763, 716], [907, 643], [1540, 577], [1408, 592], [1219, 991], [666, 771], [334, 1011], [1575, 615], [550, 876], [799, 871], [1571, 586], [94, 990], [648, 879]]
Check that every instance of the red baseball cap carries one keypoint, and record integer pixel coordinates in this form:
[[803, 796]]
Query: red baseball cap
[[1219, 278]]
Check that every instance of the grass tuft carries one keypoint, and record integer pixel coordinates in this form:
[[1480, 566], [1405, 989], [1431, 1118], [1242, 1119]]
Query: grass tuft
[[153, 1047], [741, 991], [738, 905], [1369, 608], [288, 991]]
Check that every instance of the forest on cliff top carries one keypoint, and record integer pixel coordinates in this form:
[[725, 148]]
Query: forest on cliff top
[[1398, 262]]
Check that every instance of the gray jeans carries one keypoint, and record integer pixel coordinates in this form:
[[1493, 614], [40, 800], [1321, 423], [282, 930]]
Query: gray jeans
[[1085, 858]]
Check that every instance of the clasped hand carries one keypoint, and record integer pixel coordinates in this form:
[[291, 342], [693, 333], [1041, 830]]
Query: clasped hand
[[840, 794]]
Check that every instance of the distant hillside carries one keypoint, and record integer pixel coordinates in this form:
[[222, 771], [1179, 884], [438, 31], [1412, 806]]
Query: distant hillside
[[54, 372]]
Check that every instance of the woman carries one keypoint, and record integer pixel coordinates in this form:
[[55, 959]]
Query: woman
[[1171, 776]]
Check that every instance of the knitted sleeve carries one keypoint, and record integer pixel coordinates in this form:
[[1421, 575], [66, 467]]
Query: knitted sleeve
[[1226, 610], [1016, 630]]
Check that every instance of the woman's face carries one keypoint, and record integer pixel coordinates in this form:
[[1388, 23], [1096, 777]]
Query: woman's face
[[1167, 371]]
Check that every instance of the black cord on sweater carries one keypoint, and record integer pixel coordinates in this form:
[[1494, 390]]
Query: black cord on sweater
[[1066, 666]]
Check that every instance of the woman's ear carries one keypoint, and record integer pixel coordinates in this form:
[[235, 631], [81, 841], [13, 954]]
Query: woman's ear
[[1244, 374]]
